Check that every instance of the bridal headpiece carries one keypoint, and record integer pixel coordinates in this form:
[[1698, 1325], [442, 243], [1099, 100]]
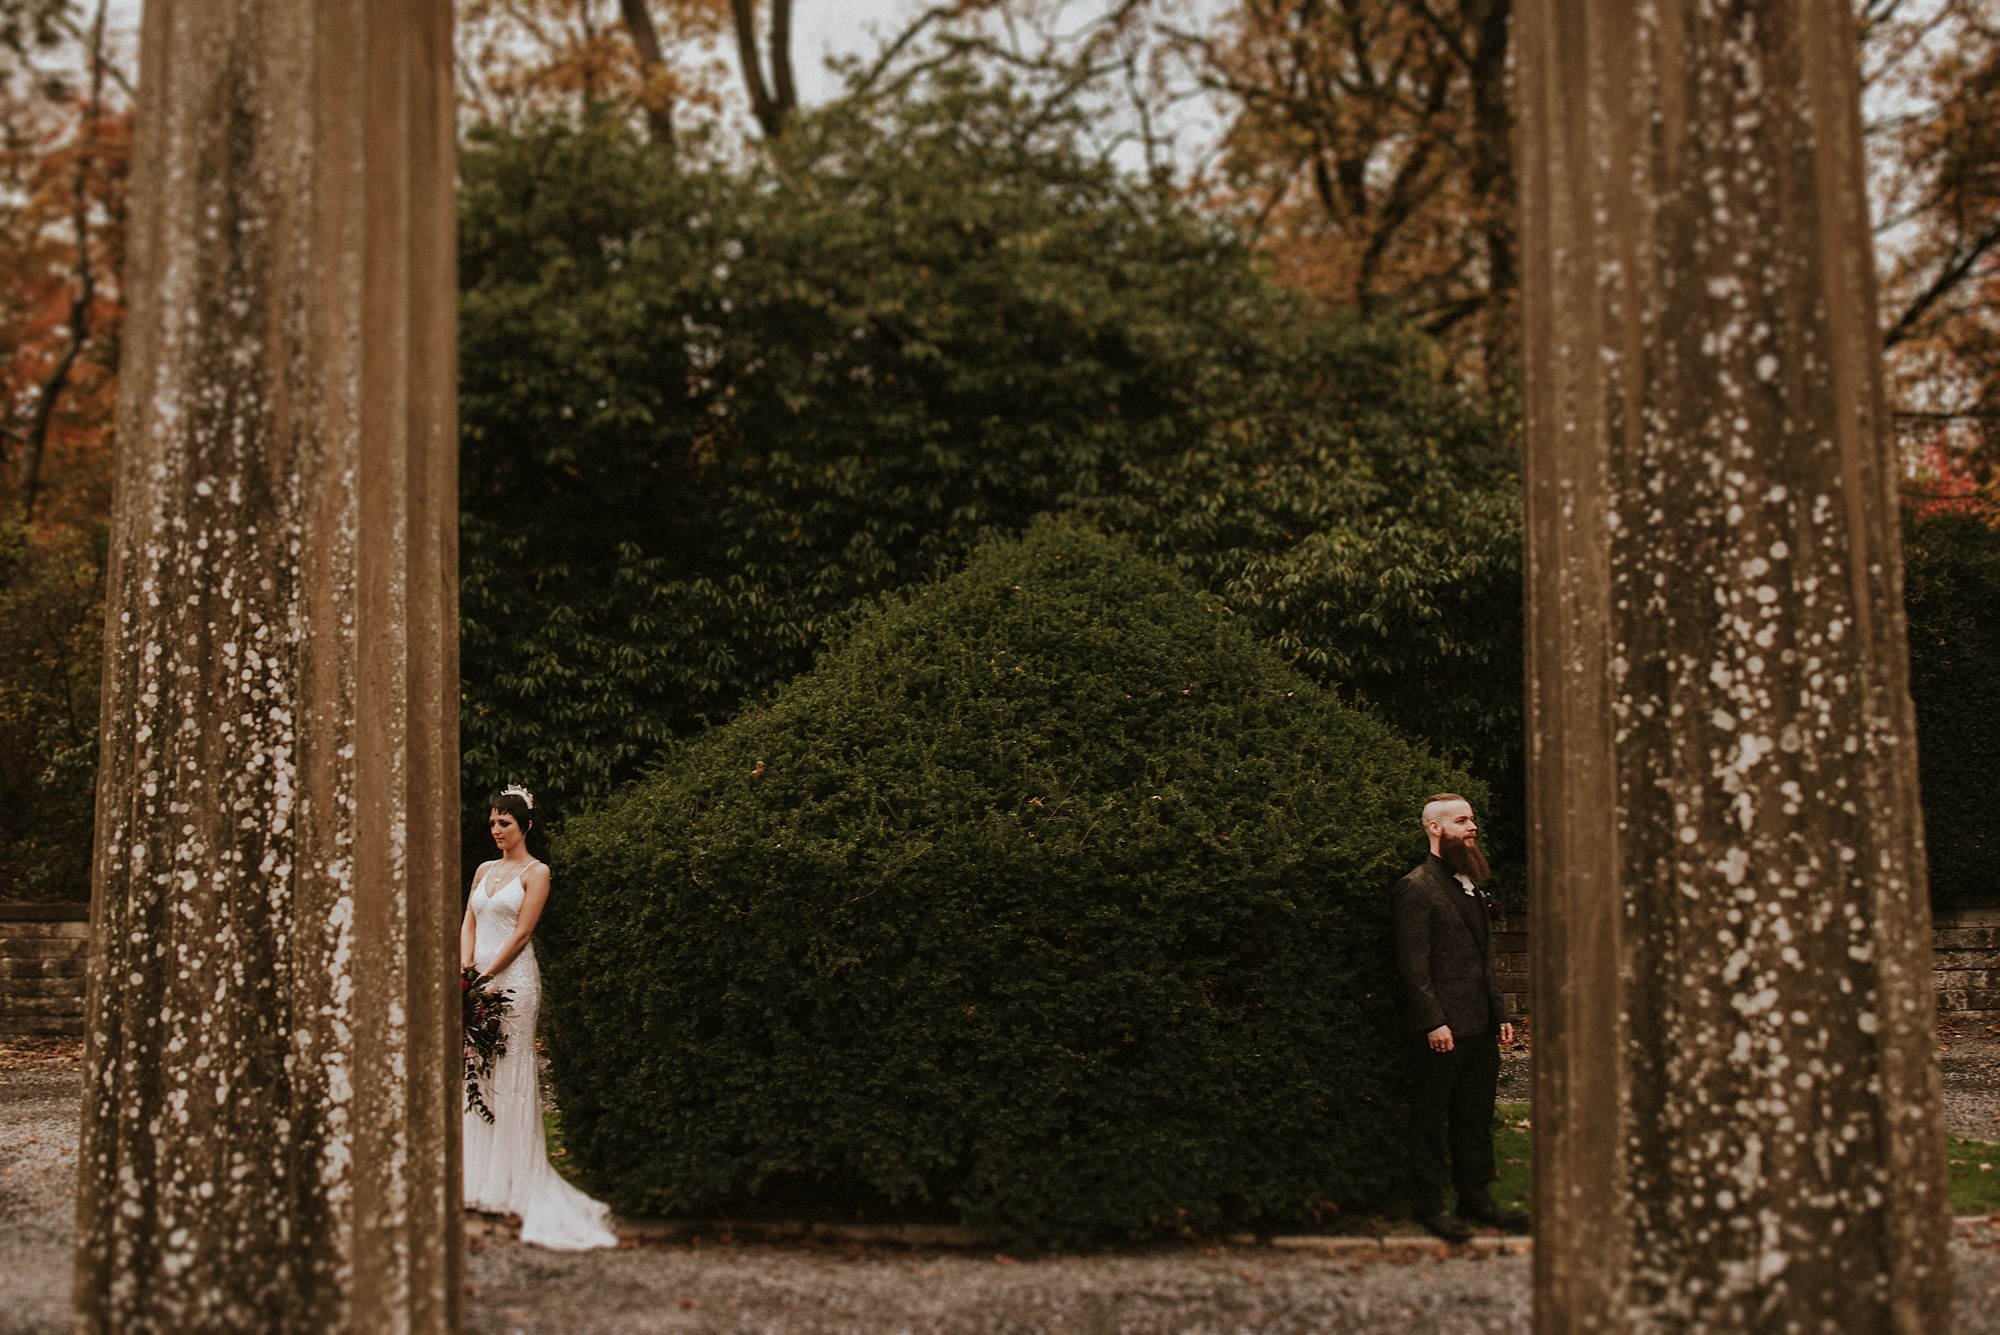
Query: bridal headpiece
[[516, 790]]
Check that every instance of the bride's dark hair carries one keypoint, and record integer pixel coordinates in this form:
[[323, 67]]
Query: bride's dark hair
[[515, 806]]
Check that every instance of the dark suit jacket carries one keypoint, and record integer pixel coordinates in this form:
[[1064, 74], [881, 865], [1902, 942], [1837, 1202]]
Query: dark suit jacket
[[1444, 951]]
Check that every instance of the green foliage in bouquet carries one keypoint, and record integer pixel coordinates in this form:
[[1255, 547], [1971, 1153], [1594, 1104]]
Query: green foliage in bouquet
[[1051, 899], [483, 1012]]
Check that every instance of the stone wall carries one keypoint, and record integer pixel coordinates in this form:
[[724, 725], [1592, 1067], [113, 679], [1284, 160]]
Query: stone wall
[[1968, 964], [1966, 971], [1510, 961], [42, 950]]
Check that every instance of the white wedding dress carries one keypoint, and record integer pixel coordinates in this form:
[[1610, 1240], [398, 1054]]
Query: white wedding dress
[[507, 1167]]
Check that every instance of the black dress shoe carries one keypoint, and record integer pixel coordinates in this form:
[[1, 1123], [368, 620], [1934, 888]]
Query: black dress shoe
[[1447, 1226], [1490, 1212]]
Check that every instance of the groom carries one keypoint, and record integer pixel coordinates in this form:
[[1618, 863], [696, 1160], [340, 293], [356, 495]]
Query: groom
[[1444, 951]]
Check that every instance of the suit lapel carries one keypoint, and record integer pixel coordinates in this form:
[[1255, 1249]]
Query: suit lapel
[[1471, 909]]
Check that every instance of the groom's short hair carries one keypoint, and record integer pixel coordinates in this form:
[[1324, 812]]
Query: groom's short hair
[[1434, 802]]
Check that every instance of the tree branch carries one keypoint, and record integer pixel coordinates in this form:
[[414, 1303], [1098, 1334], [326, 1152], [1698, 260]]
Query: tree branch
[[35, 444], [112, 72], [911, 31], [1955, 270]]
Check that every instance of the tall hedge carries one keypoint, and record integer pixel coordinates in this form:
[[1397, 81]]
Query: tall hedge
[[708, 405], [1952, 592], [1050, 899]]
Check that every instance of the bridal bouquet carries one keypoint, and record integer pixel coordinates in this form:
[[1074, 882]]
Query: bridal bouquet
[[485, 1043]]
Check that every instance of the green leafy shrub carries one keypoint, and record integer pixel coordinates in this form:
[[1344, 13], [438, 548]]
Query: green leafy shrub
[[1952, 596], [709, 406], [52, 605], [1050, 899], [1367, 523]]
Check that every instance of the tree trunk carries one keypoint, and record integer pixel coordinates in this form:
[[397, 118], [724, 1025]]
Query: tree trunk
[[270, 1123], [784, 87], [638, 18], [1737, 1108], [771, 108], [1488, 27]]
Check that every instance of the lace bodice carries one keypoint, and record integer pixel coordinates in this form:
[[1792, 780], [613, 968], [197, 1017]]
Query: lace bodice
[[496, 909]]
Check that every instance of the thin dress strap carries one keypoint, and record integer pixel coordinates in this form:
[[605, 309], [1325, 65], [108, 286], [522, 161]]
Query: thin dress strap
[[485, 879]]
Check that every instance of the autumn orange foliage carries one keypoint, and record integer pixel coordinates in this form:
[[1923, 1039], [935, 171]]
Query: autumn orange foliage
[[1372, 144], [1935, 72], [665, 58], [63, 170], [62, 234]]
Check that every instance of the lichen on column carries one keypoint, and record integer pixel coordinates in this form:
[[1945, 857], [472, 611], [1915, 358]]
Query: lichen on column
[[270, 1107], [1737, 1103]]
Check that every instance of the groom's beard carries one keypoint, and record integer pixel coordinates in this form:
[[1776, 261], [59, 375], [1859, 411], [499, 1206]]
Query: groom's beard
[[1465, 860]]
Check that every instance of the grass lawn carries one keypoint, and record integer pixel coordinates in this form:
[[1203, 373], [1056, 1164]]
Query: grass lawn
[[1510, 1152], [1975, 1175]]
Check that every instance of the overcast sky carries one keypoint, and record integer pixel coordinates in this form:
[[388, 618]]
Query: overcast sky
[[841, 27], [823, 28], [819, 28]]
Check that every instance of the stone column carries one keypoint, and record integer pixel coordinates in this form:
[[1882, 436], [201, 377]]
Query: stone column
[[271, 1108], [1736, 1097]]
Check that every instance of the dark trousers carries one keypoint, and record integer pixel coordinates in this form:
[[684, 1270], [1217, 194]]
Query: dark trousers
[[1451, 1121]]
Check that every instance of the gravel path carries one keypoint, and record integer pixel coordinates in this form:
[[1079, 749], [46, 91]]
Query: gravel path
[[40, 1086], [1971, 1064], [804, 1287]]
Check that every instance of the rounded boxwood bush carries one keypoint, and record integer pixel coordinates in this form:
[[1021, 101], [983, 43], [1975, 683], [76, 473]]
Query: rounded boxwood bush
[[1050, 899]]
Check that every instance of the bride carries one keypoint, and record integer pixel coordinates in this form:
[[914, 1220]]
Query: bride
[[507, 1170]]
